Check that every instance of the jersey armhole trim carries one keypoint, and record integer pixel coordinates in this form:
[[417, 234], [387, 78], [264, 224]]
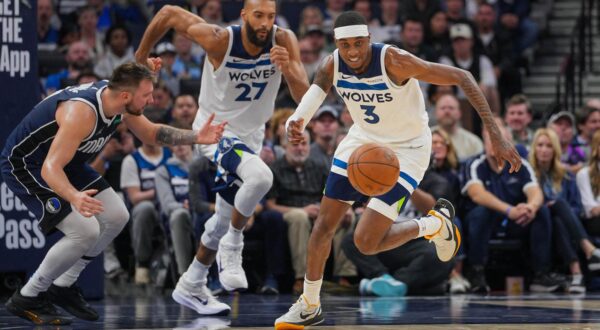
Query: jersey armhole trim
[[215, 71], [388, 80], [95, 113], [336, 67]]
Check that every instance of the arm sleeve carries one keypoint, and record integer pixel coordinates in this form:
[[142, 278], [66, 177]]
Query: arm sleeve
[[166, 199], [129, 173], [310, 103]]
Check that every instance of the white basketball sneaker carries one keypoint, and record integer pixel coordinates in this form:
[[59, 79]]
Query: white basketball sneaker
[[229, 261], [447, 239], [301, 314], [198, 298]]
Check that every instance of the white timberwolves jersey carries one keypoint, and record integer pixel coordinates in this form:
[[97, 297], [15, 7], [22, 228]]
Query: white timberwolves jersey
[[381, 110], [242, 90]]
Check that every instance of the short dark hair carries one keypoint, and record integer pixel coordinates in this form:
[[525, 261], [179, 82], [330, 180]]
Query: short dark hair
[[195, 99], [413, 19], [129, 74], [584, 114], [348, 18], [115, 28], [519, 99]]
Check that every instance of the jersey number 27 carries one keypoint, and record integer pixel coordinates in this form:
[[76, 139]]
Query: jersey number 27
[[246, 89]]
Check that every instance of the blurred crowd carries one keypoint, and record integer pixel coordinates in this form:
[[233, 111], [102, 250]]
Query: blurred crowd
[[547, 216]]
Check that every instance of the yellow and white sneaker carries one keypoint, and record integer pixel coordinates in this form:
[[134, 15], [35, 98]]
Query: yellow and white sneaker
[[301, 314], [447, 238]]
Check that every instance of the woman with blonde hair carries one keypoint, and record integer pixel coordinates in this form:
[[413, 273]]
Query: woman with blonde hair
[[588, 182], [562, 198]]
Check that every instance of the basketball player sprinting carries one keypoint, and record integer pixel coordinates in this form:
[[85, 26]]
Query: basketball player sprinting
[[44, 162], [241, 76], [379, 86]]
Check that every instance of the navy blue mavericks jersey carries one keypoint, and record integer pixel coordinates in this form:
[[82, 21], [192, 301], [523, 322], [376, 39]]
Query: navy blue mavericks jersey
[[28, 144]]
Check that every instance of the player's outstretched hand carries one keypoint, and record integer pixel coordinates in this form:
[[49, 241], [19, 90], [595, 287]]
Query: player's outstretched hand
[[280, 57], [294, 131], [87, 205], [210, 134], [504, 150], [154, 63]]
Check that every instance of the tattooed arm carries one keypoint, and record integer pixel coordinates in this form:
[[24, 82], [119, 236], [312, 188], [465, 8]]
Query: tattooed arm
[[402, 66], [152, 133]]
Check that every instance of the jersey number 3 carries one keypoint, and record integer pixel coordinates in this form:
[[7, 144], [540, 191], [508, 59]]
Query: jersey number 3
[[371, 116], [246, 89]]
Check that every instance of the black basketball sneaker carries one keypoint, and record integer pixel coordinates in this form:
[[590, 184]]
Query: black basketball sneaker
[[71, 300], [38, 310]]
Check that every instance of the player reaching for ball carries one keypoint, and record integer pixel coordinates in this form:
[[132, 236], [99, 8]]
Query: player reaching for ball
[[379, 85]]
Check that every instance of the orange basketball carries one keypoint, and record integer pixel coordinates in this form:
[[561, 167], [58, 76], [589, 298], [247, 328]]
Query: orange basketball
[[373, 169]]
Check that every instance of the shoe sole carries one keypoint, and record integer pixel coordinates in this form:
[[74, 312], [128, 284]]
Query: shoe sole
[[232, 289], [594, 267], [32, 317], [383, 288], [182, 300], [541, 288], [291, 326]]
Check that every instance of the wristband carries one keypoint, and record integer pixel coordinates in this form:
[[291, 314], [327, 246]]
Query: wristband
[[508, 210]]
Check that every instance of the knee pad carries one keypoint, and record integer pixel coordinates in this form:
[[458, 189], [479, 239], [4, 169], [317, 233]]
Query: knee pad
[[257, 179]]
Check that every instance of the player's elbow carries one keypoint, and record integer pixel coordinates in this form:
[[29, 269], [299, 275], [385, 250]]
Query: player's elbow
[[47, 170]]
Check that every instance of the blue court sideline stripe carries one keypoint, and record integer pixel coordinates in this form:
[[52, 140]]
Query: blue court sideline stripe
[[234, 65], [408, 179], [340, 163], [361, 86]]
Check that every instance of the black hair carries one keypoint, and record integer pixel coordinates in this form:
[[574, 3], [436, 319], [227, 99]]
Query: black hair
[[128, 75], [348, 18], [413, 19], [112, 30]]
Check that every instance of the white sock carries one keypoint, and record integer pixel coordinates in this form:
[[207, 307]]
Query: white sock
[[596, 253], [69, 277], [234, 236], [196, 272], [35, 285], [428, 225], [312, 290]]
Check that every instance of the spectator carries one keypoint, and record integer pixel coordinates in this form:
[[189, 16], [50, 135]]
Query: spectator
[[186, 65], [389, 23], [514, 17], [512, 202], [422, 9], [310, 56], [318, 41], [363, 7], [137, 181], [412, 267], [438, 33], [160, 110], [184, 111], [445, 163], [310, 16], [572, 156], [497, 46], [212, 12], [466, 57], [324, 130], [332, 10], [447, 115], [588, 123], [86, 77], [298, 183], [119, 51], [588, 183], [67, 34], [412, 40], [103, 11], [518, 116], [277, 123], [562, 197], [172, 192], [87, 22], [78, 59], [166, 52], [47, 34]]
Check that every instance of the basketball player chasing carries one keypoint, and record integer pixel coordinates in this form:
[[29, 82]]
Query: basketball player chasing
[[379, 86], [44, 162], [241, 76]]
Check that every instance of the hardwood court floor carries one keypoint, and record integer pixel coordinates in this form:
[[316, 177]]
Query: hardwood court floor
[[342, 312]]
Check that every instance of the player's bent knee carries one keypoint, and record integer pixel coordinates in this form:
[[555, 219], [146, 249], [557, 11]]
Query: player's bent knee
[[88, 235], [365, 245], [261, 180]]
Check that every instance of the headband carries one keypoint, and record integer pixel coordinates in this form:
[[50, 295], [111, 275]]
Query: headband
[[351, 31]]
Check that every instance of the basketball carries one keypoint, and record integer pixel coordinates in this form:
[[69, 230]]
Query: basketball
[[373, 169]]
